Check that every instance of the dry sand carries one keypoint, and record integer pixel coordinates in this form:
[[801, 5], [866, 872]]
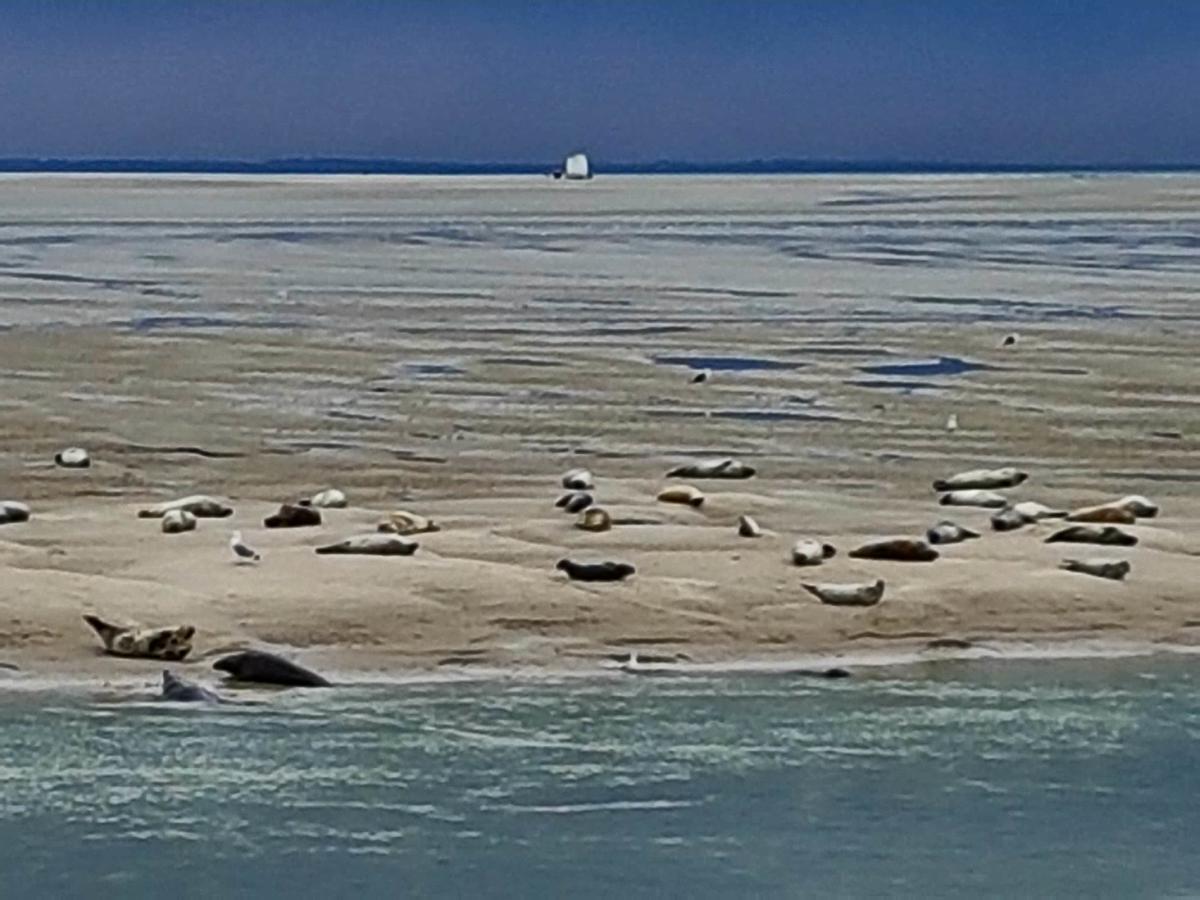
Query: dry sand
[[451, 346]]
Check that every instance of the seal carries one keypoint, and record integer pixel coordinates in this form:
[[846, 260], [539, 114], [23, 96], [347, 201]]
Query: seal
[[600, 571], [595, 519], [73, 458], [952, 423], [1093, 534], [372, 545], [1103, 515], [986, 499], [725, 467], [702, 376], [947, 532], [12, 511], [330, 498], [1008, 519], [806, 552], [847, 594], [180, 690], [575, 501], [177, 521], [578, 480], [681, 493], [981, 479], [896, 550], [1035, 511], [404, 522], [260, 667], [293, 515], [1138, 505], [747, 527], [1115, 569], [199, 505], [173, 643]]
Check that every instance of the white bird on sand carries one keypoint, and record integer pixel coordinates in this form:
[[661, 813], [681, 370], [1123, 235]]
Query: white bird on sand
[[241, 552], [631, 664], [952, 422], [702, 376]]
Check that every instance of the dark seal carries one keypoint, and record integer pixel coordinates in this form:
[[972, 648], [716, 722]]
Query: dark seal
[[266, 668], [293, 515], [601, 571], [180, 690]]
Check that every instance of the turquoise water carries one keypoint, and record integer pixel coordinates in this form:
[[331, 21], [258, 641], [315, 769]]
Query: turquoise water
[[1015, 779]]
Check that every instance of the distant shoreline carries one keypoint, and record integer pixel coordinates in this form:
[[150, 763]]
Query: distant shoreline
[[348, 166]]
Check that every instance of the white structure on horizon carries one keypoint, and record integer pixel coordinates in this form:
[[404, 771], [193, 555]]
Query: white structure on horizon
[[577, 166]]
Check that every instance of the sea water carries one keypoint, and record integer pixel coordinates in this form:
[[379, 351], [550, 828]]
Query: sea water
[[1022, 779]]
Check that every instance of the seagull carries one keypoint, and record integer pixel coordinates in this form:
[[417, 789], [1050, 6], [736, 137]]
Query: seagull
[[631, 664], [952, 422], [241, 552], [702, 376]]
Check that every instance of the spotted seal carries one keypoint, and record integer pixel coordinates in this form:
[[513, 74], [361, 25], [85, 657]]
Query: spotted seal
[[1114, 569], [404, 522], [173, 643], [595, 518], [847, 594]]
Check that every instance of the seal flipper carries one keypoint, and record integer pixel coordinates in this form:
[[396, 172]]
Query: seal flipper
[[106, 630]]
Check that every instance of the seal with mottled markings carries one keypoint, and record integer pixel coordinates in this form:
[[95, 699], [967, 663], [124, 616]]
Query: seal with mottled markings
[[847, 594], [293, 515], [261, 667], [896, 550], [198, 505], [807, 552], [725, 467], [986, 499], [681, 493], [599, 571], [172, 643], [372, 545], [595, 519], [947, 532], [1114, 569], [180, 690], [404, 522], [1093, 534], [981, 479]]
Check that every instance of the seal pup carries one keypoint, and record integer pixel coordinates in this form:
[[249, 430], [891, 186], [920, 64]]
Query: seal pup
[[747, 527], [681, 493], [982, 479], [807, 552], [847, 594], [404, 522], [1114, 569], [600, 571], [172, 643], [947, 532], [1104, 515], [293, 515], [180, 690], [73, 458], [575, 501], [198, 505], [242, 552], [372, 545], [725, 467], [702, 376], [595, 519], [896, 550], [986, 499], [177, 521], [330, 498], [578, 480], [12, 511], [1093, 534], [261, 667]]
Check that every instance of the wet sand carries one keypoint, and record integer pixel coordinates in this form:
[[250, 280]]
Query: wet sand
[[451, 346]]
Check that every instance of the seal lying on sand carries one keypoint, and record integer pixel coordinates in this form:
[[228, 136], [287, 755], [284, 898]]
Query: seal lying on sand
[[578, 480], [1093, 534], [73, 458], [681, 493], [1008, 519], [177, 521], [198, 505], [180, 690], [896, 550], [947, 532], [266, 668], [12, 511], [847, 594], [986, 499], [330, 498], [1025, 513], [575, 501], [807, 552], [404, 522], [747, 527], [595, 519], [726, 467], [373, 545], [601, 571], [172, 643], [1115, 569], [983, 479], [293, 515], [1106, 515]]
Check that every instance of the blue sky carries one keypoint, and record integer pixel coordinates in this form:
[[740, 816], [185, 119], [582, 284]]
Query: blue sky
[[1053, 81]]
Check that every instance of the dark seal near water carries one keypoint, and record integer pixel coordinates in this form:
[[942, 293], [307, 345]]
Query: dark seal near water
[[601, 571], [266, 668], [180, 690]]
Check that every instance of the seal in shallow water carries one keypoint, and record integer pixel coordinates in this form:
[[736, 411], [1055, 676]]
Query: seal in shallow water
[[1114, 569], [807, 552], [947, 532], [847, 594], [12, 511], [681, 493], [600, 571], [896, 550], [267, 668], [198, 505], [180, 690], [981, 479], [372, 545], [73, 458], [172, 643], [1093, 534], [725, 467], [595, 519]]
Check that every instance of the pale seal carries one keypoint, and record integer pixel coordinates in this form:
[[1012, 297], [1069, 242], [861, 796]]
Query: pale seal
[[981, 479], [180, 690], [599, 571], [1008, 519], [372, 545], [177, 521], [198, 505], [1093, 534], [404, 522], [594, 519], [681, 493], [947, 532], [73, 458], [725, 467], [747, 527], [575, 501], [1115, 569], [578, 480], [293, 515], [1024, 513], [1135, 504], [173, 643], [807, 552], [12, 511], [847, 594], [331, 498], [986, 499], [896, 550], [266, 668]]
